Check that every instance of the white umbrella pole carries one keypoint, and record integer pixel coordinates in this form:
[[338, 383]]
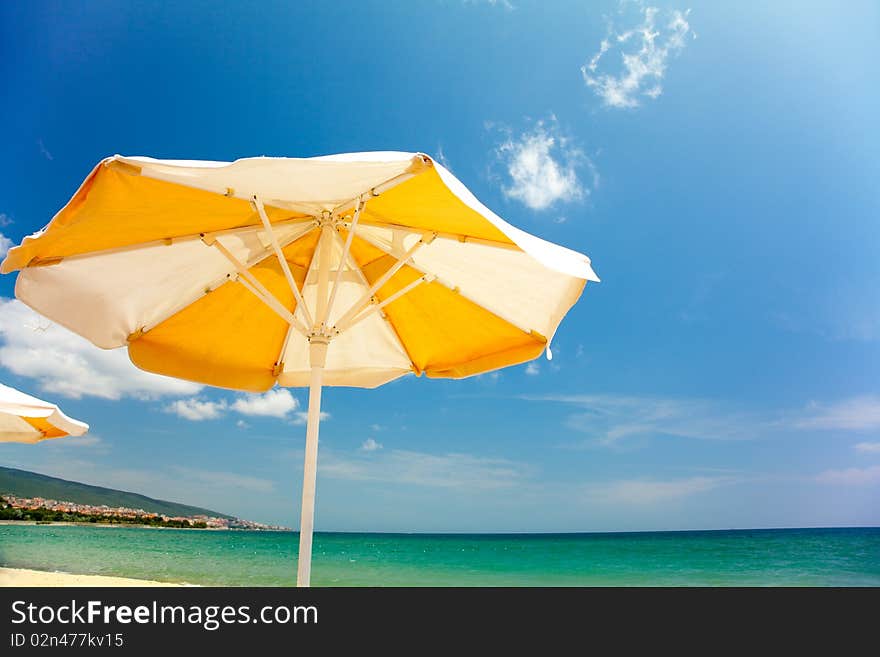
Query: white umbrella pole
[[318, 354]]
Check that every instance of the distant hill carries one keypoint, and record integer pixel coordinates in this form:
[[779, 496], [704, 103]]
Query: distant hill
[[31, 484]]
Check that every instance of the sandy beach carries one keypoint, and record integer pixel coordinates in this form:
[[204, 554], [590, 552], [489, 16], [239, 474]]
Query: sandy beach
[[25, 577]]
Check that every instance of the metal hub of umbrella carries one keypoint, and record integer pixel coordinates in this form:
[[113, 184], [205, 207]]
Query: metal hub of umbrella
[[345, 270]]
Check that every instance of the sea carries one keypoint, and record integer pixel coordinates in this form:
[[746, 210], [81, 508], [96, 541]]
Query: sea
[[760, 557]]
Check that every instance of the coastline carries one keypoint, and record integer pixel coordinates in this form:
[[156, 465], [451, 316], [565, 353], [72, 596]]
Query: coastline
[[67, 523], [21, 577]]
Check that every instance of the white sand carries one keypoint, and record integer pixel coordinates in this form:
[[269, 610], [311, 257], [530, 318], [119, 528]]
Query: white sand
[[24, 577]]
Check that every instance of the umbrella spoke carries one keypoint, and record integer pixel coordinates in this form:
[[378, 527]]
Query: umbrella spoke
[[378, 306], [454, 288], [282, 261], [365, 300], [250, 282], [344, 258], [353, 265], [422, 163], [381, 222]]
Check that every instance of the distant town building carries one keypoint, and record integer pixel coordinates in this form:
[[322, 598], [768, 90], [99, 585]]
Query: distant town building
[[31, 503]]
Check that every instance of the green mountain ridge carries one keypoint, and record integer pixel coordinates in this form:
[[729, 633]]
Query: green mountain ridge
[[22, 483]]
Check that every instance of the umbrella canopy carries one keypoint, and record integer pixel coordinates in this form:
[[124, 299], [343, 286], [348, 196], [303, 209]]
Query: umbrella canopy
[[26, 419], [348, 270]]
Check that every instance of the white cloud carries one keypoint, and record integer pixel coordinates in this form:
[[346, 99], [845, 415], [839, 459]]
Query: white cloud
[[441, 158], [542, 166], [370, 445], [854, 414], [5, 244], [5, 219], [492, 3], [650, 491], [197, 409], [66, 364], [644, 52], [533, 369], [377, 427], [867, 448], [608, 419], [88, 440], [44, 151], [460, 471], [225, 479], [277, 402], [302, 417], [851, 476]]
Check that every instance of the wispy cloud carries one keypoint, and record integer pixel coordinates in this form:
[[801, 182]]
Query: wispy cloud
[[201, 487], [222, 479], [370, 445], [88, 441], [5, 245], [461, 471], [442, 159], [854, 414], [505, 4], [44, 151], [644, 52], [837, 317], [851, 476], [277, 402], [66, 364], [196, 410], [5, 219], [302, 417], [655, 491], [541, 166], [609, 419], [867, 448], [533, 369]]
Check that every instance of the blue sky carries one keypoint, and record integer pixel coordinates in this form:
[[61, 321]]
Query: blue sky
[[717, 161]]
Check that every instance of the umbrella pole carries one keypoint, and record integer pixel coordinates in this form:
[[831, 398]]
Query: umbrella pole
[[318, 356]]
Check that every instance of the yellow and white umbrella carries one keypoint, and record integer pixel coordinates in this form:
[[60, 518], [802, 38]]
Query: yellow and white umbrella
[[345, 270], [26, 419]]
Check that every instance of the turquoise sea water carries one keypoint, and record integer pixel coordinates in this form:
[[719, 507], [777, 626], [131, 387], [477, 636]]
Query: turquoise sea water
[[777, 557]]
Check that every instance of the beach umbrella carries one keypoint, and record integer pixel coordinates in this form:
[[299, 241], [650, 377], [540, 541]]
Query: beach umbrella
[[26, 419], [344, 270]]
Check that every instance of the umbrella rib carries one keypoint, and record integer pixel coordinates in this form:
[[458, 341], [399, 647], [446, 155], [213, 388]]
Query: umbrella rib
[[253, 285], [457, 290], [345, 250], [363, 314], [278, 367], [210, 287], [420, 164], [300, 303], [381, 222], [356, 268], [274, 305], [162, 241], [364, 301]]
